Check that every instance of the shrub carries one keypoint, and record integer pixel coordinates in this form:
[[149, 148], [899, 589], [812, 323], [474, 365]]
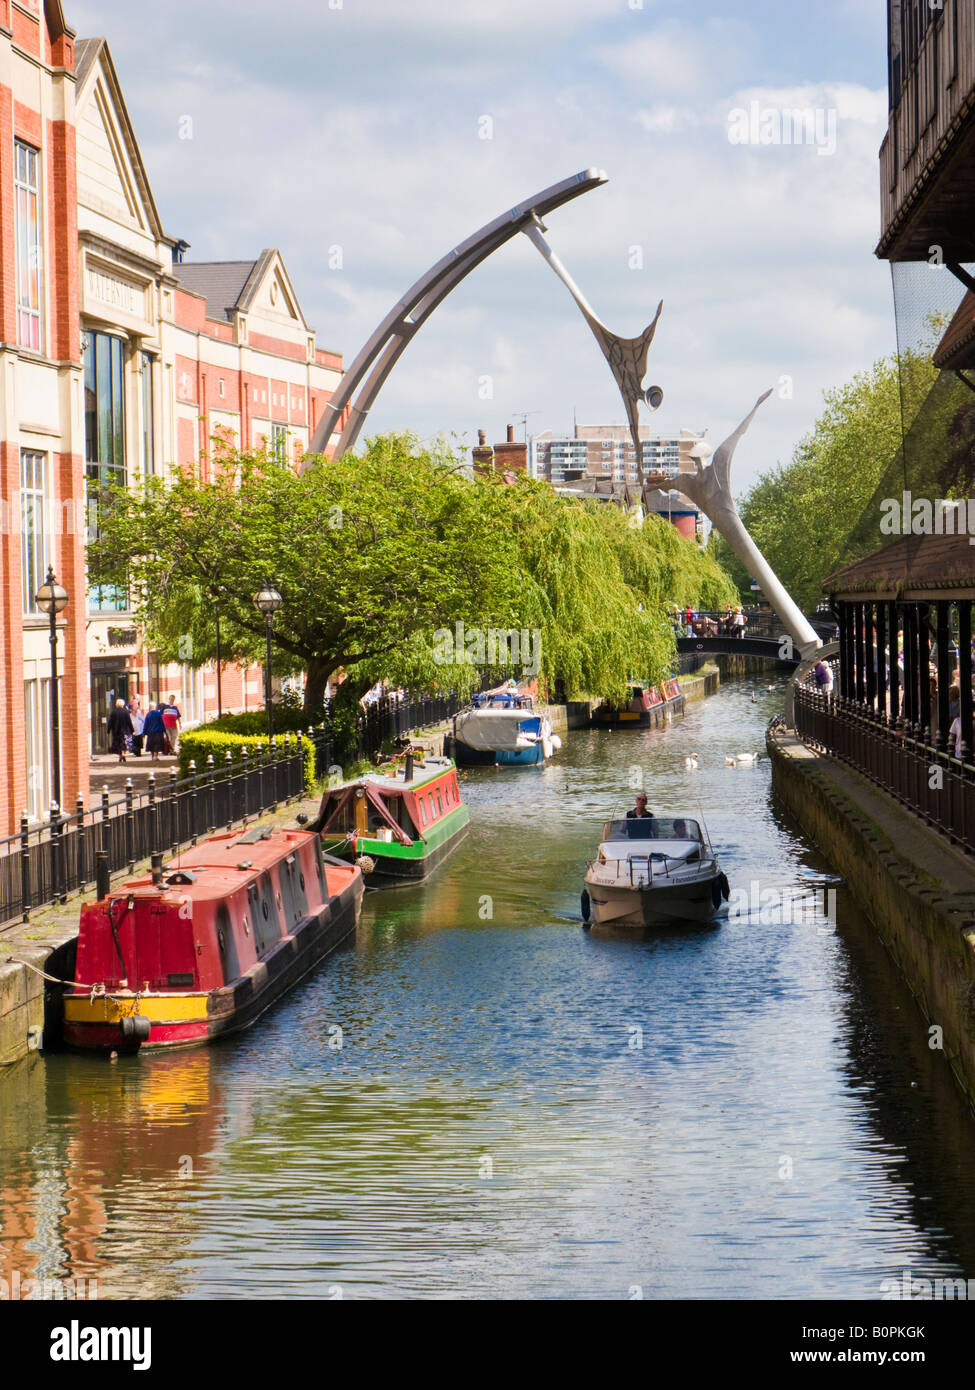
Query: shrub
[[197, 744]]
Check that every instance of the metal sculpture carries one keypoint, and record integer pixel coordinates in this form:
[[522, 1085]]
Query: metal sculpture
[[709, 487], [380, 354], [627, 357]]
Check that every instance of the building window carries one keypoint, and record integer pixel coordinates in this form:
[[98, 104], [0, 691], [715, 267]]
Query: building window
[[37, 745], [29, 256], [34, 530], [104, 358], [148, 414], [279, 443]]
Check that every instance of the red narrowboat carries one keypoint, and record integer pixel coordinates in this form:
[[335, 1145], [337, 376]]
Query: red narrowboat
[[646, 707], [201, 948]]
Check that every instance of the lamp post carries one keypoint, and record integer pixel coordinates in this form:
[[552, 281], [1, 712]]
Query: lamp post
[[52, 599], [268, 600]]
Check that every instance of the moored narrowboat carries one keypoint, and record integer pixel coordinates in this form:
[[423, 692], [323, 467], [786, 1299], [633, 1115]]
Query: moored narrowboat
[[647, 706], [201, 948], [401, 823]]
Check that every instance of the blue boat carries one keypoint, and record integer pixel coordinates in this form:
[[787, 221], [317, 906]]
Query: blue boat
[[502, 731]]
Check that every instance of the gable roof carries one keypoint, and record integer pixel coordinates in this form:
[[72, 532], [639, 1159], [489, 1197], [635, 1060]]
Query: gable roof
[[93, 61], [232, 286], [221, 283]]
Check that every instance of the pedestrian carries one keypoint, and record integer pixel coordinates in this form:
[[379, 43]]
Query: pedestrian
[[171, 719], [120, 730], [154, 730], [138, 723], [739, 622], [954, 701], [824, 678]]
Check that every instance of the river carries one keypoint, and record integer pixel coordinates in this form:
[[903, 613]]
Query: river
[[481, 1100]]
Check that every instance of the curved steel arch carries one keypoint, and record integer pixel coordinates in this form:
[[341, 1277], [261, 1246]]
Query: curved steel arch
[[380, 354]]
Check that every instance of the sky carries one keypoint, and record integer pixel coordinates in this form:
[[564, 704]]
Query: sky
[[393, 129]]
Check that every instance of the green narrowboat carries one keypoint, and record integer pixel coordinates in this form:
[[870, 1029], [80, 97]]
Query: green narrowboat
[[398, 825]]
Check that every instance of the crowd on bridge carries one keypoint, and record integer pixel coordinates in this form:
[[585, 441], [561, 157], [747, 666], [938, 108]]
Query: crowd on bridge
[[689, 623]]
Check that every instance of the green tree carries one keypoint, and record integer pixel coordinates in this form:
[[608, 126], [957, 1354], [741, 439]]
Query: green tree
[[376, 556], [803, 514]]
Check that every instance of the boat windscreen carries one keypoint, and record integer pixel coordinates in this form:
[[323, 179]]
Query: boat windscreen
[[654, 828]]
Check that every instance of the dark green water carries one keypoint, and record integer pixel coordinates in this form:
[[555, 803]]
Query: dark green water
[[522, 1109]]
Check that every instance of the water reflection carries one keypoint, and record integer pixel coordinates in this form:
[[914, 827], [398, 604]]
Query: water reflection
[[483, 1100]]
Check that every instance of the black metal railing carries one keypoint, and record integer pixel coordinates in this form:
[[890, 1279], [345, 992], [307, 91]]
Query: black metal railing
[[758, 623], [930, 782], [45, 862]]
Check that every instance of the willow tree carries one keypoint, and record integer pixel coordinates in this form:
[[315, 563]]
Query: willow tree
[[378, 555]]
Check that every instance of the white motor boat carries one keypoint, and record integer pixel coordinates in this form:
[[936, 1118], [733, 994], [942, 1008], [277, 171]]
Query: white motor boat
[[653, 870]]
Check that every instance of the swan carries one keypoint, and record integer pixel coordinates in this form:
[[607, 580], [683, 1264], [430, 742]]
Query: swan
[[747, 758], [691, 762]]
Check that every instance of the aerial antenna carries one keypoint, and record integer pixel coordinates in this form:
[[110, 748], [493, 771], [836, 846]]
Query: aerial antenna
[[523, 415]]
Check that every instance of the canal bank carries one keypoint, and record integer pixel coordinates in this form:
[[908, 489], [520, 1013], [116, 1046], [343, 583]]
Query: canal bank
[[478, 1099], [913, 886]]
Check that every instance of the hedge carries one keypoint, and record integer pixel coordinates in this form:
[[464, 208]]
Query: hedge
[[197, 744]]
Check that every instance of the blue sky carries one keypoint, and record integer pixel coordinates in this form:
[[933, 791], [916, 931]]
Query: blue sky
[[360, 124]]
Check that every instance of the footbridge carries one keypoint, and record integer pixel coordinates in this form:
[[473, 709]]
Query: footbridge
[[763, 636]]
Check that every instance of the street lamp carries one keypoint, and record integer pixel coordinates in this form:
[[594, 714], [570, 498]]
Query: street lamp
[[268, 600], [52, 599]]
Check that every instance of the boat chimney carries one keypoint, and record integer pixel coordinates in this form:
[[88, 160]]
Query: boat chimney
[[408, 771], [103, 881], [157, 875]]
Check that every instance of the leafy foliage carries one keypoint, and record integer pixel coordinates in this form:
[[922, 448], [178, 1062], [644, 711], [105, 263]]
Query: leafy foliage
[[808, 516], [373, 555]]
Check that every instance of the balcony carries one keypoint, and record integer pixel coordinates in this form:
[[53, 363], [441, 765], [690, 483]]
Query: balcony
[[927, 159]]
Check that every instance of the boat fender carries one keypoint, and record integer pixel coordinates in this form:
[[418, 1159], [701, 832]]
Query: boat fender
[[136, 1027], [366, 863], [586, 908], [716, 892], [725, 887]]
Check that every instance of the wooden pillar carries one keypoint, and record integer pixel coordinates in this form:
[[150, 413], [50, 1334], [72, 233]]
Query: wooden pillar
[[944, 672], [843, 615], [860, 688], [882, 609], [910, 661], [893, 666], [924, 672], [965, 675], [869, 650]]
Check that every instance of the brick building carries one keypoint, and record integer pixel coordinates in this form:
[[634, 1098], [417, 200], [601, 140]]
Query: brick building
[[41, 438], [120, 359]]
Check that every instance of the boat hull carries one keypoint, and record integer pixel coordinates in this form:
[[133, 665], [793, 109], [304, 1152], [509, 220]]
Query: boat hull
[[623, 906], [187, 1019], [402, 866], [610, 717], [465, 756]]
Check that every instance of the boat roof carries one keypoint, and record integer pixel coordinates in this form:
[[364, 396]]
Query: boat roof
[[220, 864], [427, 771]]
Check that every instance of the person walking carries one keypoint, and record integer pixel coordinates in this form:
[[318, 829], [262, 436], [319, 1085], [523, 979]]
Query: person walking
[[739, 623], [171, 718], [138, 723], [154, 731], [119, 730], [824, 678]]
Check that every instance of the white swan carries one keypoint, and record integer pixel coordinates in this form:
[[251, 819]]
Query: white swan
[[747, 758], [691, 762]]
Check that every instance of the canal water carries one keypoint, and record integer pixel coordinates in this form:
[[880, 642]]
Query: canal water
[[482, 1100]]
